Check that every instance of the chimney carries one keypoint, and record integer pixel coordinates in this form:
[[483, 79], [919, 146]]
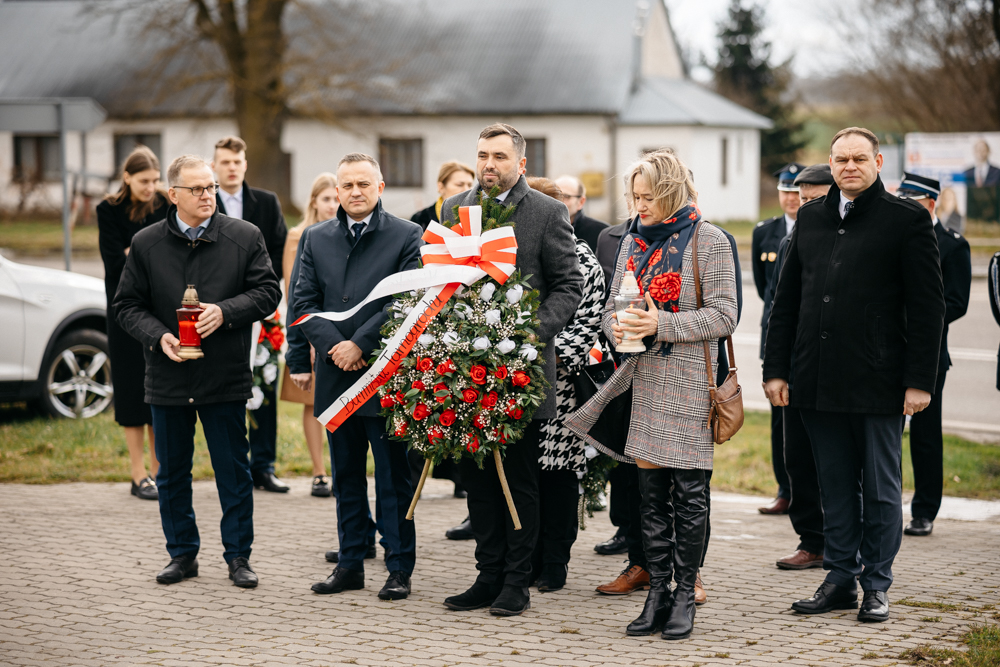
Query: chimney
[[638, 30]]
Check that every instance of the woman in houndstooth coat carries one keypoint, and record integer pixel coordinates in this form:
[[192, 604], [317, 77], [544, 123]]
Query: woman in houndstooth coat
[[669, 438]]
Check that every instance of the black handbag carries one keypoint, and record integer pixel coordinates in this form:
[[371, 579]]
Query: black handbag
[[611, 428]]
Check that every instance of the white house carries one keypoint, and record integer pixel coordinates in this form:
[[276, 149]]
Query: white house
[[590, 83]]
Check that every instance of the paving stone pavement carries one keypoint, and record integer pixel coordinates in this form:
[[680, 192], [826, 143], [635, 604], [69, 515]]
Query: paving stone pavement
[[78, 561]]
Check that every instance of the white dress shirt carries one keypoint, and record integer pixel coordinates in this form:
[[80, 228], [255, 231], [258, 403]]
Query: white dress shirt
[[843, 205], [183, 226], [982, 171], [365, 221], [233, 203], [789, 224], [503, 195]]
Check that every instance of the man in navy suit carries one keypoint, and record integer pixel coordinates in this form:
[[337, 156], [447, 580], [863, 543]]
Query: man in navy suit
[[926, 441], [340, 262], [982, 174]]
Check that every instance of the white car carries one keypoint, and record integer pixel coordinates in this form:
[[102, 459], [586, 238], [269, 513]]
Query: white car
[[53, 345]]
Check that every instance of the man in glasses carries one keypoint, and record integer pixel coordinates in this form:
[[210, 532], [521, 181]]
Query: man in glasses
[[574, 195], [226, 261]]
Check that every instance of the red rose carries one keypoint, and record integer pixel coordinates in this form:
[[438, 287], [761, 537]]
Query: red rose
[[400, 398], [489, 400], [447, 417], [478, 374], [263, 334], [473, 445], [511, 404], [674, 308], [387, 401], [478, 421], [641, 244], [421, 411], [517, 414], [440, 387], [666, 287], [445, 366], [276, 337], [657, 256], [418, 385], [500, 373], [401, 430], [630, 265], [434, 435], [692, 215], [470, 395], [667, 222], [521, 379], [425, 364]]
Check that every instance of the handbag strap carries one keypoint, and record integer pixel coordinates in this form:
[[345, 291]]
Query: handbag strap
[[697, 292]]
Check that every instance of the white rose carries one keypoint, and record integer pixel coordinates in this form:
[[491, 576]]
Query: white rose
[[406, 311], [270, 373], [514, 294], [450, 338], [529, 352], [523, 317], [462, 310], [487, 292], [493, 317], [590, 453], [262, 356], [257, 399], [481, 343], [506, 346]]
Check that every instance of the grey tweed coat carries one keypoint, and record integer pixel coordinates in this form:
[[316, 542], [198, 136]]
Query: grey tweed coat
[[670, 393], [546, 250]]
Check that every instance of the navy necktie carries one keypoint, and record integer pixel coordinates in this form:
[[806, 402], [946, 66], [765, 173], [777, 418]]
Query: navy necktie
[[848, 207], [358, 227], [193, 232]]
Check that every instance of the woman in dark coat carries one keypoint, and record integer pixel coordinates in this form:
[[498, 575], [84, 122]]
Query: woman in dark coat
[[137, 204]]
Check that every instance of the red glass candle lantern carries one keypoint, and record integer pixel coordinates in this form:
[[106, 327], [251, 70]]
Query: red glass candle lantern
[[187, 319]]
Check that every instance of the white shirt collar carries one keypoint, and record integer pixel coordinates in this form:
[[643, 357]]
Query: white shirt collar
[[789, 224], [183, 226], [236, 197], [366, 221], [503, 195], [843, 205], [233, 203]]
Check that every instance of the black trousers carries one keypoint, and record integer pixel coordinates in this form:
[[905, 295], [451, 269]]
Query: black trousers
[[858, 462], [778, 453], [618, 500], [264, 438], [636, 551], [558, 523], [805, 510], [503, 555], [927, 452]]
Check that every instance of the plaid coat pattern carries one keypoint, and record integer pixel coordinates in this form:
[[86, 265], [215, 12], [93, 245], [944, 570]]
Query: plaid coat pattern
[[670, 399]]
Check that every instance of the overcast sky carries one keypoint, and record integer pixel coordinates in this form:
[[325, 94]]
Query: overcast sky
[[806, 30]]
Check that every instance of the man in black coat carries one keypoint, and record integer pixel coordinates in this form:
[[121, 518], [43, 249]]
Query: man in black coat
[[982, 174], [926, 442], [856, 325], [225, 259], [767, 236], [263, 210], [574, 195], [340, 262], [546, 252]]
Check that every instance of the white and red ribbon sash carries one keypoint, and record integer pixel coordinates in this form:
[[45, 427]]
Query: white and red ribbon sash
[[462, 255]]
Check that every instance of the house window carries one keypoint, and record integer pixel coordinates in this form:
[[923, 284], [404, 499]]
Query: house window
[[725, 160], [126, 143], [36, 158], [402, 162], [535, 152]]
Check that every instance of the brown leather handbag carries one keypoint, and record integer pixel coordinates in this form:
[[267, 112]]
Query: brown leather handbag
[[725, 414]]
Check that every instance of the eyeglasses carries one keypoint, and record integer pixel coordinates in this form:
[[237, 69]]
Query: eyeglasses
[[565, 196], [199, 190]]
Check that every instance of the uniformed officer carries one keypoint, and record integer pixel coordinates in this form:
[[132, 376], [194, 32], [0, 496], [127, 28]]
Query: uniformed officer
[[767, 237], [926, 447]]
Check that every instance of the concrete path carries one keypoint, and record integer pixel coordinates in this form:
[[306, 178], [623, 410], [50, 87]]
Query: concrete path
[[78, 565]]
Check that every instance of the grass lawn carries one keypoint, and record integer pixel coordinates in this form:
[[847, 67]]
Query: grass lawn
[[38, 450], [41, 237]]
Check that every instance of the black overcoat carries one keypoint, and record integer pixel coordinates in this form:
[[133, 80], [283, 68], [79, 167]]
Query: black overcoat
[[956, 271], [332, 274], [764, 244], [229, 267], [859, 307], [262, 209], [588, 229]]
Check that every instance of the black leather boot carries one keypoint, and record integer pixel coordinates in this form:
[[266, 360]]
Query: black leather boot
[[690, 517], [656, 523]]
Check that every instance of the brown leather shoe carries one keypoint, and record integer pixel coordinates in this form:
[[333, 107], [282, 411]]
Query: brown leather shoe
[[779, 506], [800, 560], [632, 578], [700, 596]]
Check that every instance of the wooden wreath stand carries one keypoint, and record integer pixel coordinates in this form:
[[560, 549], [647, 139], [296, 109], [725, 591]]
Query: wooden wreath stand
[[503, 484]]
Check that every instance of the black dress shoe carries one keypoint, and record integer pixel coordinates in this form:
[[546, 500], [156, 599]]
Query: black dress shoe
[[680, 620], [180, 568], [828, 596], [321, 486], [919, 527], [397, 586], [268, 482], [460, 492], [333, 556], [242, 574], [145, 489], [340, 579], [512, 601], [478, 596], [553, 578], [462, 531], [616, 545], [874, 608]]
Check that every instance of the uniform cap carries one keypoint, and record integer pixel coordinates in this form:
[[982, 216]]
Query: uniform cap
[[786, 176], [918, 187]]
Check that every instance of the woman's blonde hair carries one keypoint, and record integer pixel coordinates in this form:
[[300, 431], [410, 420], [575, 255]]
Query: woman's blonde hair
[[668, 178], [322, 182]]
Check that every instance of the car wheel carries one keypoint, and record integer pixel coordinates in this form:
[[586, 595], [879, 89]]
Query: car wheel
[[78, 376]]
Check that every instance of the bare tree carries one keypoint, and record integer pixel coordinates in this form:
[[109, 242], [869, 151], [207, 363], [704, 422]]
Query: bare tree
[[930, 65]]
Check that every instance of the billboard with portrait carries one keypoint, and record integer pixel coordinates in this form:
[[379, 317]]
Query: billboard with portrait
[[968, 166]]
